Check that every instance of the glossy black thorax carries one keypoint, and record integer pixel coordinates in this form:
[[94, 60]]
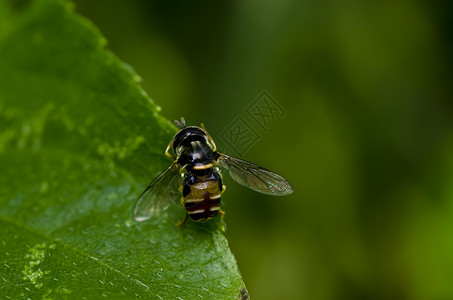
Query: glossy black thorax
[[196, 155]]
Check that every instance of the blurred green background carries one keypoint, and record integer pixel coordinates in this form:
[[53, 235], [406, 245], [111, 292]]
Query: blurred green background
[[366, 141]]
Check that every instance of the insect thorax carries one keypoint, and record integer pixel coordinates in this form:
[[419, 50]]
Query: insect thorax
[[195, 154]]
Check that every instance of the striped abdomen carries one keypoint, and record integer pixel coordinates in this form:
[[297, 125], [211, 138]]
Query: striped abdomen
[[202, 196]]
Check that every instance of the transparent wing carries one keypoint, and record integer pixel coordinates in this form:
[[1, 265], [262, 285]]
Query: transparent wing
[[162, 192], [255, 177]]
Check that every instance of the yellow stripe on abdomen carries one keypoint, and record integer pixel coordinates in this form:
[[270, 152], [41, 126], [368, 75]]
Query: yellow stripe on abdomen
[[203, 201]]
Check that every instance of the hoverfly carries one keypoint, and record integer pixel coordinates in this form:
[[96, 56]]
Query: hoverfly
[[194, 174]]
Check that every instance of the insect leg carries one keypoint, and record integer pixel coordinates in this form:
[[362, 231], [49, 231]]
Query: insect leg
[[209, 138], [179, 224], [168, 154], [223, 226], [221, 212]]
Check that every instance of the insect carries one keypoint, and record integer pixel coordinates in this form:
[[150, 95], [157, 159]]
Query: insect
[[194, 177]]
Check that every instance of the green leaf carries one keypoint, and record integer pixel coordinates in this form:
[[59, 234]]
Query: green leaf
[[79, 141]]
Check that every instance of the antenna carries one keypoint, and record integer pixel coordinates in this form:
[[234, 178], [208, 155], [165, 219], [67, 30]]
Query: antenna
[[181, 125]]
